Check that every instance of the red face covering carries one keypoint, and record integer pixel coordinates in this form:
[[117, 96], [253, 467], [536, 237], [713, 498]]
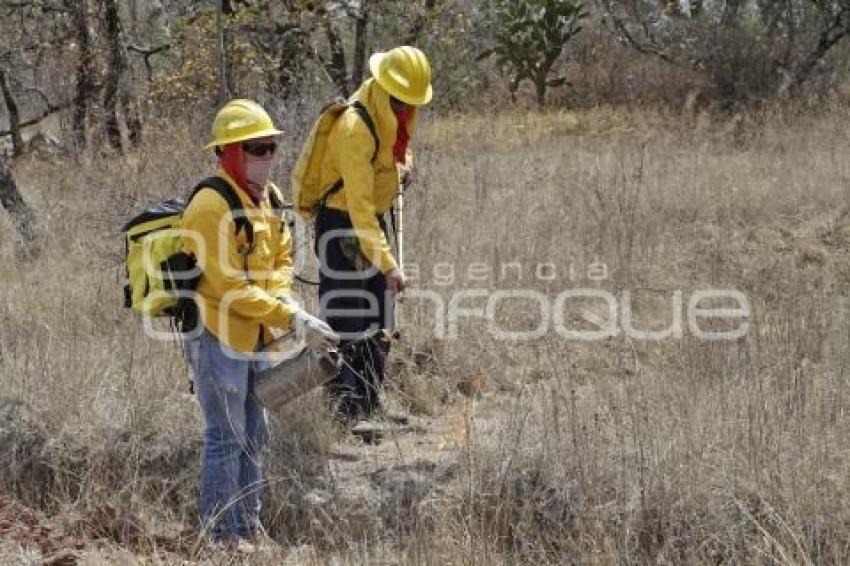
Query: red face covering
[[402, 136], [232, 160]]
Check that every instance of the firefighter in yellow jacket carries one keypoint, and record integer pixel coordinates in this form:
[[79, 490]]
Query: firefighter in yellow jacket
[[359, 276], [241, 295]]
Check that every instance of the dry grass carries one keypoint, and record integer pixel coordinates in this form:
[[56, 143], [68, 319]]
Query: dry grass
[[677, 451]]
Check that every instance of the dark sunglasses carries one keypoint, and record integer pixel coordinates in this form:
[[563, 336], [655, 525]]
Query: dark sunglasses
[[259, 149]]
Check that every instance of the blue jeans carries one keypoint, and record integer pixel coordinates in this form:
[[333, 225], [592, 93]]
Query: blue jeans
[[235, 433]]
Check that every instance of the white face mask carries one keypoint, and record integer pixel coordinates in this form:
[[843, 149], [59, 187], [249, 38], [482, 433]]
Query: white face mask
[[258, 172]]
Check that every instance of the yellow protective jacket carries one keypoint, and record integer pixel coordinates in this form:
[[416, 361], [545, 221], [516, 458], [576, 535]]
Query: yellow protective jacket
[[239, 288], [368, 188]]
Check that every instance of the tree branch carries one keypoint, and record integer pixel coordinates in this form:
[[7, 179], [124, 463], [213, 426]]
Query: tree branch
[[147, 51], [33, 121], [837, 30], [20, 86], [650, 47]]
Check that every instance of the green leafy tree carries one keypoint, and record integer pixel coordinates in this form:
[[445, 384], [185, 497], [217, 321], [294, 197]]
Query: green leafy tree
[[530, 37]]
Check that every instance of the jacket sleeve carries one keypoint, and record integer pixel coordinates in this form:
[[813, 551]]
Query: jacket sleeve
[[222, 266], [281, 279], [354, 161]]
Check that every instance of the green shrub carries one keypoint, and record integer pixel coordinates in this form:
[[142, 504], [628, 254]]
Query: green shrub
[[530, 37]]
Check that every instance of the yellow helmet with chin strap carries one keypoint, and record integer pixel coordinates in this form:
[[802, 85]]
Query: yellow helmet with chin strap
[[405, 73], [240, 120]]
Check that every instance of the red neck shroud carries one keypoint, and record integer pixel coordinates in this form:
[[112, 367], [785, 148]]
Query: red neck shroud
[[233, 163], [232, 160], [402, 135]]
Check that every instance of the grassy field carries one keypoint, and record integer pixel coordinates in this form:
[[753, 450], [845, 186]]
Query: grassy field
[[551, 450]]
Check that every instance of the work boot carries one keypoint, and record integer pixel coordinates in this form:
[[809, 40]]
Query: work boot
[[375, 408], [346, 398], [241, 546], [396, 417], [382, 414], [370, 432]]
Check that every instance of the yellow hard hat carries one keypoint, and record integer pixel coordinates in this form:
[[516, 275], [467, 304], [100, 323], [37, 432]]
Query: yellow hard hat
[[241, 120], [405, 73]]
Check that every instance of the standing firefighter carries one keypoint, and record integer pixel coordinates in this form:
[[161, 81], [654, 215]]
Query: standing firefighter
[[347, 177], [242, 293]]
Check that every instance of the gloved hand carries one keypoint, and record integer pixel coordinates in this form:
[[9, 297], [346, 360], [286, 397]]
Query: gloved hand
[[406, 175], [396, 281], [313, 331]]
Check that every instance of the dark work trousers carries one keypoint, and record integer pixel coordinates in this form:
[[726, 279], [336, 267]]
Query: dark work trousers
[[355, 303]]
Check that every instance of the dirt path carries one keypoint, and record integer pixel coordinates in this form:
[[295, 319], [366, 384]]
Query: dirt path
[[422, 449], [367, 485]]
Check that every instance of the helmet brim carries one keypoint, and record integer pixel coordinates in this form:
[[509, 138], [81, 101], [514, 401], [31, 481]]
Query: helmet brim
[[271, 132], [375, 63]]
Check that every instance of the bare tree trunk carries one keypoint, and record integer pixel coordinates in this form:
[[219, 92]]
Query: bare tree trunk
[[14, 115], [336, 66], [133, 119], [361, 30], [133, 8], [289, 49], [541, 77], [540, 90], [729, 18], [85, 71], [116, 67], [23, 217], [222, 56]]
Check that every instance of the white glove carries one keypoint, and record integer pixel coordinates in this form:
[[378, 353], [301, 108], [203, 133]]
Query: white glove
[[313, 331]]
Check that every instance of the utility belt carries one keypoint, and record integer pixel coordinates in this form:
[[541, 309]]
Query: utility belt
[[321, 206], [346, 218], [329, 218]]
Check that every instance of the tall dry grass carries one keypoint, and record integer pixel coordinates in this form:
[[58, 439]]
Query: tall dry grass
[[676, 451]]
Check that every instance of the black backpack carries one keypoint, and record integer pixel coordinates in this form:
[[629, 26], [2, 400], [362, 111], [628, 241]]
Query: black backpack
[[164, 293]]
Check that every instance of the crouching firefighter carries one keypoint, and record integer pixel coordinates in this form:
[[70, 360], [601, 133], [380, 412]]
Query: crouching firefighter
[[347, 177], [243, 249]]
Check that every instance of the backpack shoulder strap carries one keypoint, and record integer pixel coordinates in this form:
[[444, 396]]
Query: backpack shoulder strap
[[275, 198], [358, 107], [364, 115], [226, 192]]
